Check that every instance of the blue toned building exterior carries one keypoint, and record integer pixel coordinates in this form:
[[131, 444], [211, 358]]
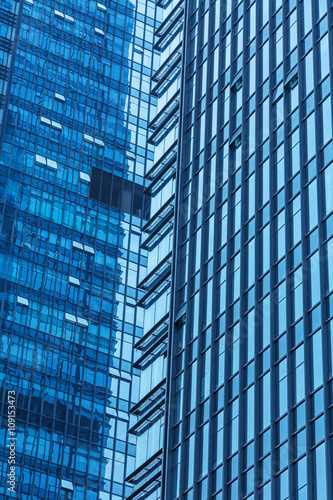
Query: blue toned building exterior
[[236, 396], [74, 98]]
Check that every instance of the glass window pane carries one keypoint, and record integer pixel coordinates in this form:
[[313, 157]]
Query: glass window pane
[[313, 205], [329, 188], [311, 136], [315, 279], [317, 360], [324, 57], [321, 471], [326, 113], [309, 73]]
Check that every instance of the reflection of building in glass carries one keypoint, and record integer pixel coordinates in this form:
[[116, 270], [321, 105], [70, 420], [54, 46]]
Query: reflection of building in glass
[[149, 426], [240, 398], [75, 108]]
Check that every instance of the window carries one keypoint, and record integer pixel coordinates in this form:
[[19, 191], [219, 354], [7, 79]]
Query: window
[[265, 59], [315, 278], [328, 176], [307, 16], [250, 413], [264, 9], [112, 190], [311, 136], [292, 23], [317, 360], [266, 398], [312, 204], [326, 115], [190, 461], [252, 23], [329, 260], [309, 73], [324, 57], [204, 449], [321, 471], [252, 75]]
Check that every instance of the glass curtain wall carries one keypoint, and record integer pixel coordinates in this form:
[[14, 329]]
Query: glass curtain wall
[[72, 202]]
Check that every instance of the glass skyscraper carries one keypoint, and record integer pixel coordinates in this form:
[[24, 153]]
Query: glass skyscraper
[[159, 241], [236, 396], [74, 98]]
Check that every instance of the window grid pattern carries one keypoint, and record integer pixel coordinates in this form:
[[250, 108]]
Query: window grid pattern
[[70, 260], [253, 267], [153, 348]]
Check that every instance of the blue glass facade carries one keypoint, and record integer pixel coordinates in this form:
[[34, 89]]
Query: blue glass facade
[[152, 346], [74, 108], [239, 375]]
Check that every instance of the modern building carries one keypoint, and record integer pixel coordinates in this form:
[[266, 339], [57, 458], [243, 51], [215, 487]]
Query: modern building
[[236, 396], [152, 347], [74, 102]]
